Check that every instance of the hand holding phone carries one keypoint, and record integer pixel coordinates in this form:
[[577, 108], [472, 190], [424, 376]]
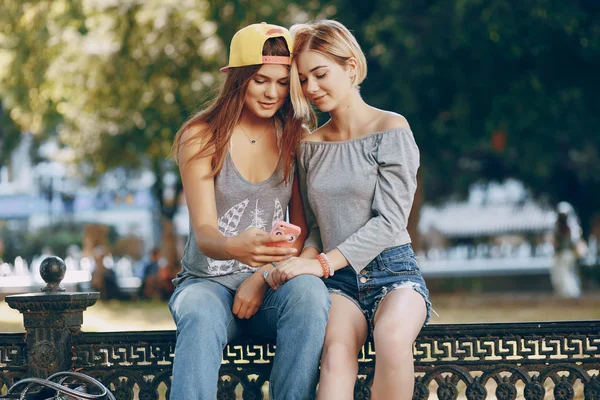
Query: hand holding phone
[[285, 228]]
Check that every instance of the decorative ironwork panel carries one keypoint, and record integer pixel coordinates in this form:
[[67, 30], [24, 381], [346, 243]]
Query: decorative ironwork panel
[[133, 350], [12, 359], [527, 360]]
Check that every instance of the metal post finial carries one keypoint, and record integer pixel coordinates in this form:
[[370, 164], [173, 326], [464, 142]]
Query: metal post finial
[[52, 270]]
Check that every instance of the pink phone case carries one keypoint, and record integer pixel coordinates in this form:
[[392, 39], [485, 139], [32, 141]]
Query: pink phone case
[[285, 228]]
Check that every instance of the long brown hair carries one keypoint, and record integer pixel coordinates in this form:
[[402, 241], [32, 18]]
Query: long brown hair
[[224, 113]]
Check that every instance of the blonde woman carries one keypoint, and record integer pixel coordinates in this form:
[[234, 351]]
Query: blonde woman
[[358, 178], [236, 161]]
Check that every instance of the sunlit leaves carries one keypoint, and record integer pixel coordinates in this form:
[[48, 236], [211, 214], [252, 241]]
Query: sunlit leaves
[[108, 69]]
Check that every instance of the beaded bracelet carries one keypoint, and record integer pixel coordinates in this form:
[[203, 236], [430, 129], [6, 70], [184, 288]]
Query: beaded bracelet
[[323, 266], [331, 270]]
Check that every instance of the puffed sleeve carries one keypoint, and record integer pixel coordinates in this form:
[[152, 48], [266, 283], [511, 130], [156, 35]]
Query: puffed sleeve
[[398, 162], [314, 233]]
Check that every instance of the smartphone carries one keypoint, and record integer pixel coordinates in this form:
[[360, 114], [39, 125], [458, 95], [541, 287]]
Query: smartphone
[[285, 228]]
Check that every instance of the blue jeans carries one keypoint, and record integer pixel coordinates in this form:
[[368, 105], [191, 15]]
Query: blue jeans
[[295, 314]]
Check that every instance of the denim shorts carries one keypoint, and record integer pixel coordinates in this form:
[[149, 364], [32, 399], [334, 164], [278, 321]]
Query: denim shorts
[[392, 269]]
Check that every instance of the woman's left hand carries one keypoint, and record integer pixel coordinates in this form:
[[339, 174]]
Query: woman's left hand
[[291, 268], [249, 296]]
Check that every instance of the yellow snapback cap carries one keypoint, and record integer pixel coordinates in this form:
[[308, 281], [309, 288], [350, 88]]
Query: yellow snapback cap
[[247, 46]]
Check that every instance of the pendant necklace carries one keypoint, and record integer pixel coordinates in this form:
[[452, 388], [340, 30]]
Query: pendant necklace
[[253, 141]]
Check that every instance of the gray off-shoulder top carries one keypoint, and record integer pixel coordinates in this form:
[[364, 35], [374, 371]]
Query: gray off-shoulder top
[[358, 193]]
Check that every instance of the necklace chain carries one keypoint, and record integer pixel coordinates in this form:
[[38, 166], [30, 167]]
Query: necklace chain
[[253, 141]]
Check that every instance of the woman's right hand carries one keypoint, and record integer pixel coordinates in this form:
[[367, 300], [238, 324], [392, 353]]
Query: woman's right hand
[[250, 247]]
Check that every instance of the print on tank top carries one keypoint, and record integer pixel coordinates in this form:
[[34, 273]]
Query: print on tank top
[[228, 225]]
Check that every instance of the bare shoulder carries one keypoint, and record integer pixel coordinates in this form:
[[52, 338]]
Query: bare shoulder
[[314, 136], [320, 134], [198, 131], [390, 120], [194, 139]]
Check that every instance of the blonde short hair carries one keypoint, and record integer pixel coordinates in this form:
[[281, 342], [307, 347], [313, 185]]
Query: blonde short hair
[[332, 40]]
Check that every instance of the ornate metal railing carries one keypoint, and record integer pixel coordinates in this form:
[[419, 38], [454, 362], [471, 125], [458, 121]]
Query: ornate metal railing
[[559, 360]]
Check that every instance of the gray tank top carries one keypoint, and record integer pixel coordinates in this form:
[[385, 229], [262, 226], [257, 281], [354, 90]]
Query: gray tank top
[[240, 205]]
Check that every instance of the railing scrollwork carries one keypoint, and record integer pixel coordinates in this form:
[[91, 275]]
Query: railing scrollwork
[[534, 361]]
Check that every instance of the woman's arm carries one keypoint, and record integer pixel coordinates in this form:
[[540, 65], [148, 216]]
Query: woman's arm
[[249, 246], [199, 190], [314, 233], [398, 159], [297, 214]]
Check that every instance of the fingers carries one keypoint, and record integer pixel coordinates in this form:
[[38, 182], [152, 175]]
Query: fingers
[[270, 281], [237, 305], [273, 279], [277, 238], [280, 252], [270, 240], [272, 258], [275, 251], [247, 312], [256, 231], [278, 276], [260, 261], [290, 269], [263, 237], [244, 310], [286, 270]]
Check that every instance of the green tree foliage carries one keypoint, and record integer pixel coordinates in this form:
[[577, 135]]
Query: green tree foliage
[[492, 89], [9, 135], [115, 79]]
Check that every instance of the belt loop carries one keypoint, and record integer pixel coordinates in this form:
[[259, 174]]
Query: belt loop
[[379, 261]]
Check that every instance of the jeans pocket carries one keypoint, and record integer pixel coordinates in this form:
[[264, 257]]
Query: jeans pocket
[[402, 266]]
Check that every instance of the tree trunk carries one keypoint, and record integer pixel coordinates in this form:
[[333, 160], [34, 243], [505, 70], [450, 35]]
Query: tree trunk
[[168, 208]]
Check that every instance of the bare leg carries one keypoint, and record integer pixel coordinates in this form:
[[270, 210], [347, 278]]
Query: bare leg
[[345, 335], [398, 321]]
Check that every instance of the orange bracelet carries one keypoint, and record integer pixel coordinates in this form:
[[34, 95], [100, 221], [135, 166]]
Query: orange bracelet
[[329, 267], [324, 266]]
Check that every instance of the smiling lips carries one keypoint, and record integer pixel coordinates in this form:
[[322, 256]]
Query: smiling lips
[[318, 98], [267, 105]]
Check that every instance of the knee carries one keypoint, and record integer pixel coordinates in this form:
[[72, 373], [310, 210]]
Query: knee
[[392, 340], [199, 317], [339, 357]]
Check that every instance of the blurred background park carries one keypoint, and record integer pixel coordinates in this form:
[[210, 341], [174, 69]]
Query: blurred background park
[[502, 96]]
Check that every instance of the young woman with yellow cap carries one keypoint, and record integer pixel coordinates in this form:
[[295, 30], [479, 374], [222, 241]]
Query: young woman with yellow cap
[[236, 160]]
